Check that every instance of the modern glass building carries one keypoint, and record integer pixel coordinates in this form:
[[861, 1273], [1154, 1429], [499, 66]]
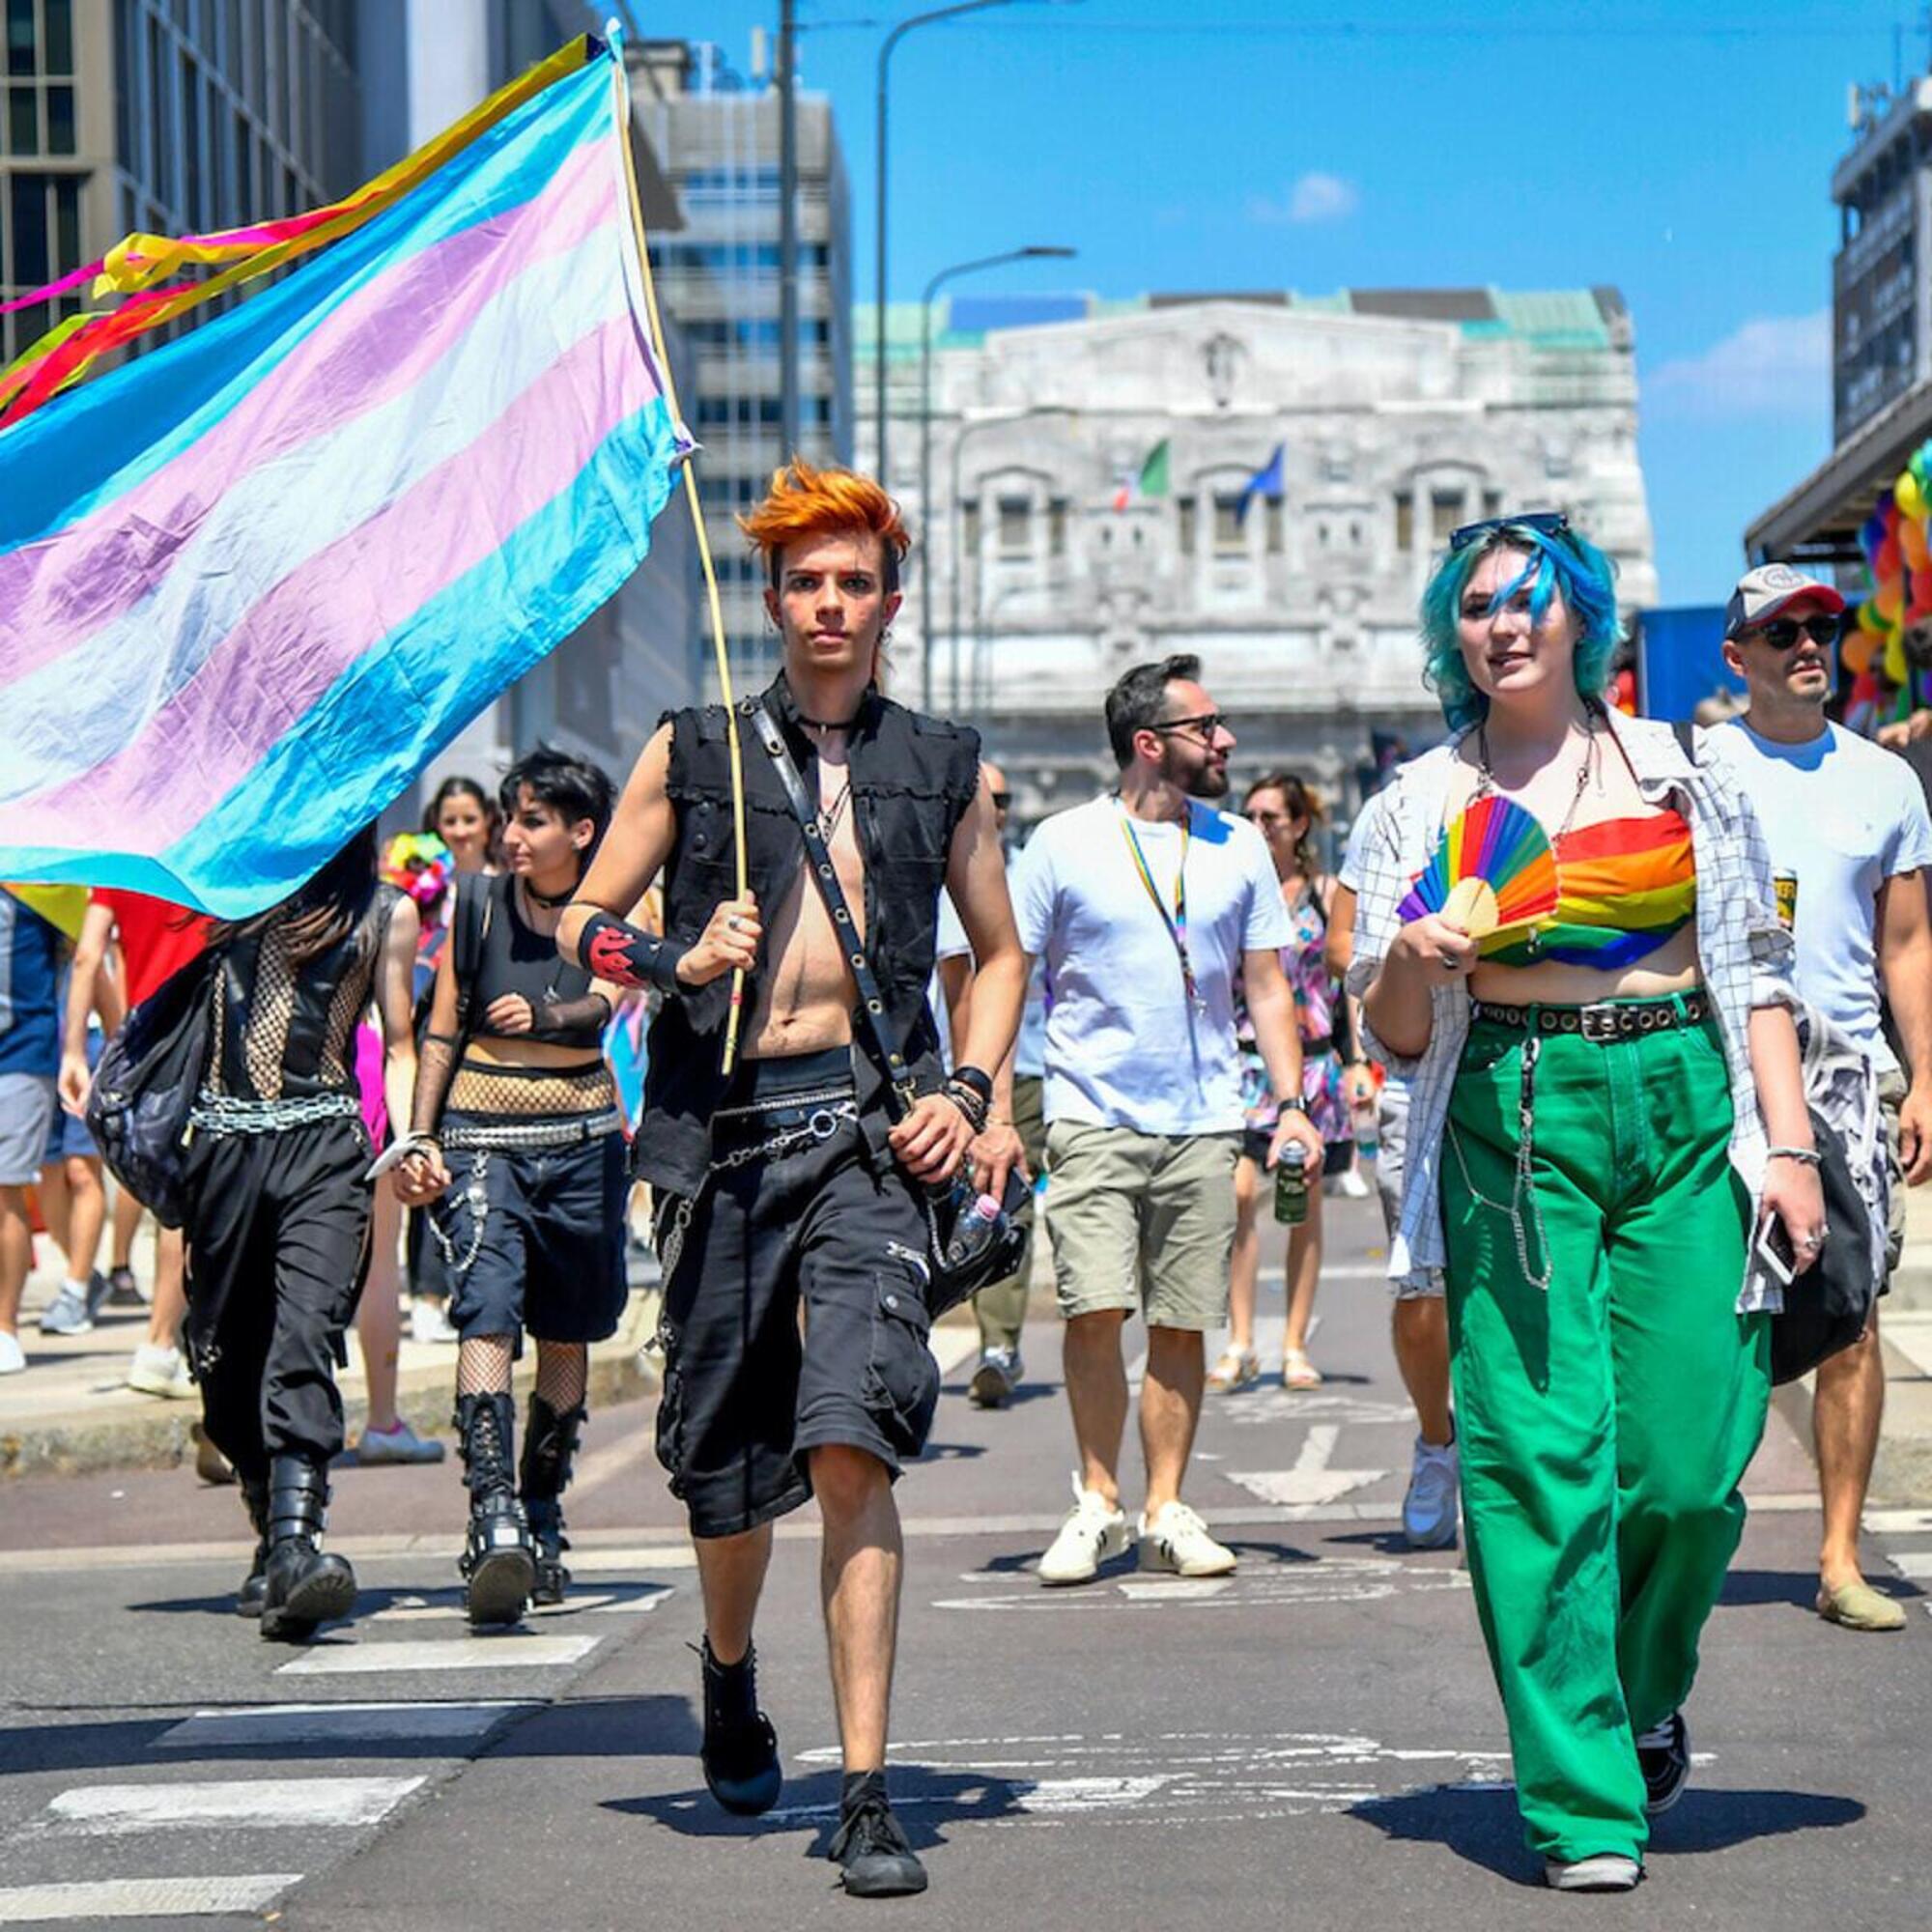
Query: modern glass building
[[166, 116]]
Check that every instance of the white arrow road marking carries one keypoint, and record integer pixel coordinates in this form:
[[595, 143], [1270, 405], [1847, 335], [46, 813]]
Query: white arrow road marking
[[114, 1810], [142, 1898], [1311, 1480]]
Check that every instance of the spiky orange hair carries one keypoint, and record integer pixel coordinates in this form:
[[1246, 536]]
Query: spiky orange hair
[[805, 503]]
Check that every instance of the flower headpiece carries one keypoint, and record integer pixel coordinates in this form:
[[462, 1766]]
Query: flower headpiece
[[419, 863]]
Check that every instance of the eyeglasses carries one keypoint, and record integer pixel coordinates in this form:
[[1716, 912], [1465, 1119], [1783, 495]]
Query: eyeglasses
[[1209, 725], [1001, 800], [1545, 523], [1783, 633]]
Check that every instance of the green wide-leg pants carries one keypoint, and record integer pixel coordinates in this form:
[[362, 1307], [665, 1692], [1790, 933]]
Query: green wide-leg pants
[[1607, 1420]]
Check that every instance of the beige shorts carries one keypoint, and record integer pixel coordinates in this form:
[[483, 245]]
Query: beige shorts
[[1142, 1221]]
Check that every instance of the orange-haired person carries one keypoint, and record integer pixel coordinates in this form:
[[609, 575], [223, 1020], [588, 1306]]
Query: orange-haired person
[[785, 1182]]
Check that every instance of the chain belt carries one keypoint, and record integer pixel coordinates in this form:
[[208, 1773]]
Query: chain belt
[[1602, 1021], [230, 1114], [511, 1137]]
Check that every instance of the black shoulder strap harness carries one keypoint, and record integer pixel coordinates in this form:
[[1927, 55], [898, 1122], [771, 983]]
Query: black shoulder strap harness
[[468, 922], [904, 1094]]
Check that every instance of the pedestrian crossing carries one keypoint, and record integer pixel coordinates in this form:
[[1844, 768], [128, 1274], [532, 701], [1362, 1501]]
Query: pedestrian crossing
[[176, 1825]]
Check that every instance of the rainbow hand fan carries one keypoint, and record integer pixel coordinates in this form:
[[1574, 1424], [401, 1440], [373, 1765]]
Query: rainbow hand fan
[[1493, 870]]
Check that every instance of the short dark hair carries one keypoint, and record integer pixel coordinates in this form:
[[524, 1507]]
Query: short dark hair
[[1139, 699], [573, 787]]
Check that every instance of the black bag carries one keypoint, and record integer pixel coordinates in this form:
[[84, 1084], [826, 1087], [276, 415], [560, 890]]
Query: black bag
[[146, 1085], [1827, 1307], [960, 1258]]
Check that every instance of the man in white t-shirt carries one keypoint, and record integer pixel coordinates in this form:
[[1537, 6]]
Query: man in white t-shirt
[[1144, 904], [1849, 837]]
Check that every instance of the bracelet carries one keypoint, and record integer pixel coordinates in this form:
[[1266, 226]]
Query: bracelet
[[1810, 1156], [969, 1104], [1297, 1105], [976, 1078]]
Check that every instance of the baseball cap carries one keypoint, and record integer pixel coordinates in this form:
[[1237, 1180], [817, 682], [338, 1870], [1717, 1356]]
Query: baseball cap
[[1762, 593]]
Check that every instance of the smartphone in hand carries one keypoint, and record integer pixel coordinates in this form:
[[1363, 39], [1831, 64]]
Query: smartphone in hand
[[1776, 1250]]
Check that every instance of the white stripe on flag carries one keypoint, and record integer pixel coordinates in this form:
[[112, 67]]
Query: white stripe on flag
[[114, 1810]]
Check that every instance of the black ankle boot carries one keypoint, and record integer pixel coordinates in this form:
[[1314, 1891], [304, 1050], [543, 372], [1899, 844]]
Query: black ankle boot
[[740, 1753], [550, 1442], [302, 1585], [255, 1585], [499, 1566]]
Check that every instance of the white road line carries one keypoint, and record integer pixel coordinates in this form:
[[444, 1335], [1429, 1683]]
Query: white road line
[[513, 1652], [283, 1726], [316, 1804], [1914, 1563], [643, 1556], [1175, 1589], [638, 1601], [142, 1898], [1897, 1521]]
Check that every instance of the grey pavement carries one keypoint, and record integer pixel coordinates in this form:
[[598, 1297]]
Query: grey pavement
[[1313, 1740]]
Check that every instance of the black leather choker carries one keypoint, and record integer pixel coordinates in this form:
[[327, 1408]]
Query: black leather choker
[[829, 723], [545, 899]]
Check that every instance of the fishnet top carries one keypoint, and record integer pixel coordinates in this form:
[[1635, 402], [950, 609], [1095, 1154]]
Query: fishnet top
[[287, 1032]]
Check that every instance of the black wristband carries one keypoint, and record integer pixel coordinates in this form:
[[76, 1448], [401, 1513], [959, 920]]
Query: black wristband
[[621, 954], [978, 1079]]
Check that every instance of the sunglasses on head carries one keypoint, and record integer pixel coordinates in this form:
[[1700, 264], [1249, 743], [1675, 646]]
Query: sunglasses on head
[[1208, 723], [1545, 523], [1827, 627]]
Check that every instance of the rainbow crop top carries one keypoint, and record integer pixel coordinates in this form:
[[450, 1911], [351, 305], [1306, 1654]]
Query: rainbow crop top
[[1624, 887]]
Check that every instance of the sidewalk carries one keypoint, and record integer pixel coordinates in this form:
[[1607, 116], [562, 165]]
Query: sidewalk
[[72, 1409]]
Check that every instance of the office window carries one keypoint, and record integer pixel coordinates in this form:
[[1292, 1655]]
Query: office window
[[22, 42], [61, 135], [1230, 539], [1445, 513], [57, 49], [1184, 525], [23, 121], [1277, 526], [1056, 528], [969, 526], [1493, 503], [1015, 527], [1405, 521]]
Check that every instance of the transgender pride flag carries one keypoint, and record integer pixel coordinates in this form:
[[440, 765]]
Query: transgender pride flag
[[252, 582]]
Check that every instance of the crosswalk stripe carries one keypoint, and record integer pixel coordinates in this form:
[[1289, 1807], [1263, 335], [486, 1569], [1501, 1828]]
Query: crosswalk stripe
[[514, 1652], [289, 1724], [639, 1600], [142, 1897], [1914, 1563], [113, 1810]]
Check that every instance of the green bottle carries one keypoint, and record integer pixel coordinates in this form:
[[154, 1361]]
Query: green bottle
[[1290, 1185]]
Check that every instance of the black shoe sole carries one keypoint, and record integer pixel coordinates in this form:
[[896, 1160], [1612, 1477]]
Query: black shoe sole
[[747, 1796], [324, 1599], [902, 1880], [996, 1393], [500, 1587]]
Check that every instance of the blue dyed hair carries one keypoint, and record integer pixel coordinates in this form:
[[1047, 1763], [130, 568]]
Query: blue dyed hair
[[1568, 560]]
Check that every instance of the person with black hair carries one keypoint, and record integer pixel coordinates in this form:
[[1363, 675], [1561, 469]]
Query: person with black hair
[[468, 821], [516, 1133], [277, 1220]]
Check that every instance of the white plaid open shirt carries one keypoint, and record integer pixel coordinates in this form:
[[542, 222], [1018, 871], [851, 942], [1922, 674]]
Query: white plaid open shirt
[[1745, 954]]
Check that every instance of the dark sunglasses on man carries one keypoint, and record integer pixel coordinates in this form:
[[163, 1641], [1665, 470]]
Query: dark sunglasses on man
[[1209, 725], [1825, 627]]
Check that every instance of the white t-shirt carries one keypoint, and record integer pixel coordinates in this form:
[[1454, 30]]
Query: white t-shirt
[[1030, 1049], [1841, 816], [1124, 1046]]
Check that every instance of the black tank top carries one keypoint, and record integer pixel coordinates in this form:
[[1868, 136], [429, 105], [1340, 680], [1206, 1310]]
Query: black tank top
[[516, 960]]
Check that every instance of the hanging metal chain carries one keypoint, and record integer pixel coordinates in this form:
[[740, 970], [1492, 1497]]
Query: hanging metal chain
[[1522, 1183], [476, 1196]]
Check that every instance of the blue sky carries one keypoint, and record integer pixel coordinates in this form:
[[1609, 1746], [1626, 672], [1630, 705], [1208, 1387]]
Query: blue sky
[[1680, 153]]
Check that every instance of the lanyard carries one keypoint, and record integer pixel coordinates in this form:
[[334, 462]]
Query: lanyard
[[1175, 920]]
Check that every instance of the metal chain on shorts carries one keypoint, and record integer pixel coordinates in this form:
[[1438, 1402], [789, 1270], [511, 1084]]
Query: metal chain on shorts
[[230, 1114], [1522, 1183], [476, 1193]]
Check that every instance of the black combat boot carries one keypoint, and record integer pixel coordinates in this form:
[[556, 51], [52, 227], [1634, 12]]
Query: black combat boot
[[303, 1586], [499, 1566], [255, 1585], [740, 1752], [550, 1442]]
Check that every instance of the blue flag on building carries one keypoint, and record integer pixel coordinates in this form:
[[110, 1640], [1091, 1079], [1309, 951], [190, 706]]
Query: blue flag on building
[[1266, 482]]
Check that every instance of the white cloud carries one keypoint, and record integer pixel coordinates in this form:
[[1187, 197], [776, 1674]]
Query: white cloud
[[1313, 198], [1771, 365]]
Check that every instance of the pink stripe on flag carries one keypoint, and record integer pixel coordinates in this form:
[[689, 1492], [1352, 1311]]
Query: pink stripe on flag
[[314, 625], [60, 590]]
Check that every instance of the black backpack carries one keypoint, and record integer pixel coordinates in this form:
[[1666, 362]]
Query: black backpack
[[146, 1085]]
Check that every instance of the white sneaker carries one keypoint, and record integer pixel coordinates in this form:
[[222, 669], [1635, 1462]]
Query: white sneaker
[[1353, 1185], [1177, 1540], [1095, 1530], [429, 1322], [13, 1357], [1432, 1510], [160, 1371]]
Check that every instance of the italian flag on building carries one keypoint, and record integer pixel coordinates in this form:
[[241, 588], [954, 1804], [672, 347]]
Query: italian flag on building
[[1151, 481]]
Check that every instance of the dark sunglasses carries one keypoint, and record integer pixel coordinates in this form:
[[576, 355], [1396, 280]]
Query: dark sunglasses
[[1207, 724], [1001, 799], [1783, 633], [1545, 523]]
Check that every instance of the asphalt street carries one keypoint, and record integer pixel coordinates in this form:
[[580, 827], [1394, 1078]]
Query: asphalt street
[[1314, 1741]]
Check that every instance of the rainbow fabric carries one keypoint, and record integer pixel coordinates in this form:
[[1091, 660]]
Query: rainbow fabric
[[1497, 841], [1625, 886], [254, 580]]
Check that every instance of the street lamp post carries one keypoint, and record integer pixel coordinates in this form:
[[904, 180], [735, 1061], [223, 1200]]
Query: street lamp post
[[926, 518], [886, 47]]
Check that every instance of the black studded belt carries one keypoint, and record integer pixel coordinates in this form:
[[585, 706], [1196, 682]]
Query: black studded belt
[[1603, 1020]]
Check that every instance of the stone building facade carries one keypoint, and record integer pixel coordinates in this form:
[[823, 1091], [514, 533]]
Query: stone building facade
[[1398, 415]]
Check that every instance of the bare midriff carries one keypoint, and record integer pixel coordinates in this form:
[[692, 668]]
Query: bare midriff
[[1671, 969]]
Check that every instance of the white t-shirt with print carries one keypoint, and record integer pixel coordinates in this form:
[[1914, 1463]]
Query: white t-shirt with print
[[1840, 815], [1125, 1045]]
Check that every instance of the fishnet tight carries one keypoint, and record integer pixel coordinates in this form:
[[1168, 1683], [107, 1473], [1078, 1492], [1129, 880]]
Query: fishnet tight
[[563, 1369], [483, 1365]]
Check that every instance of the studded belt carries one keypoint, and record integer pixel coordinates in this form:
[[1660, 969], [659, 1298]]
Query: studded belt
[[514, 1136], [1601, 1021]]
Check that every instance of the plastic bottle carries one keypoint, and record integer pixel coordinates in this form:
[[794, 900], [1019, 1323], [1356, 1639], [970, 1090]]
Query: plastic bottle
[[1290, 1185], [975, 1230], [1362, 1116]]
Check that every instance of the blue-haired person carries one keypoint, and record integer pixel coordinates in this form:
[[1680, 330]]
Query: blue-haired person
[[1606, 1106]]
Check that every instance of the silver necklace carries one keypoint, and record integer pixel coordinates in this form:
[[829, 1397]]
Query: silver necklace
[[1486, 777], [829, 816]]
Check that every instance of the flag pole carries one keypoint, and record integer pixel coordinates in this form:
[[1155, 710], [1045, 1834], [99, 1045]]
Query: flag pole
[[697, 507]]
